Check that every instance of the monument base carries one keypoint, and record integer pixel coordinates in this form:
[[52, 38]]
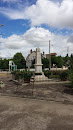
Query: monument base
[[40, 78]]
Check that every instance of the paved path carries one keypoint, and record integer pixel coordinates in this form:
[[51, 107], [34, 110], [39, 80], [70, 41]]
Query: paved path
[[28, 114]]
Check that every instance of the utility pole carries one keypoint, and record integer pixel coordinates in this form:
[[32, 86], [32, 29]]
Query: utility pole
[[49, 57], [67, 50]]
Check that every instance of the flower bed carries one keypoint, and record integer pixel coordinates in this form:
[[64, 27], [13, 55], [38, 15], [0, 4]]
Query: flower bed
[[63, 75], [47, 73], [25, 75]]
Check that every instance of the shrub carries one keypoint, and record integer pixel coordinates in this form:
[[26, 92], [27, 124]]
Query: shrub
[[47, 73], [71, 78], [63, 75], [16, 74], [55, 72], [26, 75], [13, 72]]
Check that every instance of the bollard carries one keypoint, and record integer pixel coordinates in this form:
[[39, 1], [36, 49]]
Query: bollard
[[2, 85]]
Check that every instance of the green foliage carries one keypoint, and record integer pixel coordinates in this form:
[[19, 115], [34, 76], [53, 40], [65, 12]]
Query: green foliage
[[45, 63], [55, 72], [71, 78], [16, 74], [47, 73], [4, 64], [58, 60], [53, 60], [13, 72], [66, 60], [64, 75], [71, 63], [26, 75], [19, 60], [71, 70]]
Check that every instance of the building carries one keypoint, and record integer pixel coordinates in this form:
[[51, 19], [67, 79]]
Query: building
[[51, 54], [31, 57]]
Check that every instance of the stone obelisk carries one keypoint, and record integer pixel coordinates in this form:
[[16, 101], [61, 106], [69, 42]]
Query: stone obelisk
[[38, 67], [38, 63]]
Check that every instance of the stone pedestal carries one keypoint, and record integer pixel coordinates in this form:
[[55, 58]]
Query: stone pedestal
[[40, 78], [38, 67]]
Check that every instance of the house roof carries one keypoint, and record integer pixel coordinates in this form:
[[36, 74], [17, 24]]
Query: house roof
[[53, 54]]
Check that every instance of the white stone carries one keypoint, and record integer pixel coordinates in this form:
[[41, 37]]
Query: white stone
[[40, 78], [38, 63], [38, 67]]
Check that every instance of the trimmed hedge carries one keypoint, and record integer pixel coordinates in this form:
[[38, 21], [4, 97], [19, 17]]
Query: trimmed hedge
[[63, 75]]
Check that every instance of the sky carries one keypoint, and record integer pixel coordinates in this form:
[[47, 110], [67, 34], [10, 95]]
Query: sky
[[29, 24]]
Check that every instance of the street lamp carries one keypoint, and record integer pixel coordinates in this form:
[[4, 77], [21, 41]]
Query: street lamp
[[1, 25]]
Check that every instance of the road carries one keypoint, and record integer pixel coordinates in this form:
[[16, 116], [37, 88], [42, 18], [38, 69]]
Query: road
[[31, 114]]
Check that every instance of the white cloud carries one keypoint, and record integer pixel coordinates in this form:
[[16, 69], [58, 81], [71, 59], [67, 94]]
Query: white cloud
[[12, 14], [70, 39], [44, 12], [53, 14], [13, 42], [33, 38]]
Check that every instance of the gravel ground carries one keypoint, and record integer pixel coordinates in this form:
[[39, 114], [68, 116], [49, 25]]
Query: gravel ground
[[31, 114], [54, 112], [56, 92]]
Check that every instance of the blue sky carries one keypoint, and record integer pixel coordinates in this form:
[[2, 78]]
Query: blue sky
[[32, 23]]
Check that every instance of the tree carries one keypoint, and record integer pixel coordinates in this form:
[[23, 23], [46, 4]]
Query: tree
[[58, 60], [4, 64], [1, 66], [71, 62], [53, 60], [66, 60], [45, 63], [19, 60], [71, 69]]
